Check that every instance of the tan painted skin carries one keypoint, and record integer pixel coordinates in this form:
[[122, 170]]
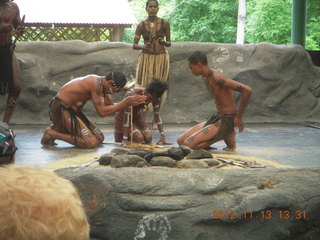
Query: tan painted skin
[[76, 93], [153, 24], [221, 88]]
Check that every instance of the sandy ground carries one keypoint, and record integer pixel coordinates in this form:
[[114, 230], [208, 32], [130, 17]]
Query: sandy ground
[[278, 145]]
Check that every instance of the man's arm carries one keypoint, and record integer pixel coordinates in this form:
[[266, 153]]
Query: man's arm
[[137, 37], [17, 19], [167, 43], [105, 108], [245, 92]]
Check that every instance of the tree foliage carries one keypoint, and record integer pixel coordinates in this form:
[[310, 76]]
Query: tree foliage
[[216, 21], [269, 21], [313, 25]]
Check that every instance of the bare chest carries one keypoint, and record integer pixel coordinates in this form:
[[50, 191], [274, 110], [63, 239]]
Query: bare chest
[[7, 12]]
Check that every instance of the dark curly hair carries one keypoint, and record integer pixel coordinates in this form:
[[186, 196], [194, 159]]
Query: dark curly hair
[[151, 1], [156, 87], [198, 56], [119, 78]]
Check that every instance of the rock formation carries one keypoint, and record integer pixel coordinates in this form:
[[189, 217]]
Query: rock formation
[[286, 86], [199, 204]]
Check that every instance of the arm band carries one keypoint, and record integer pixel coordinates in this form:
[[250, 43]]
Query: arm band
[[125, 138], [159, 123], [127, 124]]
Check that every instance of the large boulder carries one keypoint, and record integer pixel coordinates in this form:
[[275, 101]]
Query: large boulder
[[199, 204], [286, 86]]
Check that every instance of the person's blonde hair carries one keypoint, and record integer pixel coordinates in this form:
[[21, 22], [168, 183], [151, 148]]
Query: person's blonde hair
[[39, 205]]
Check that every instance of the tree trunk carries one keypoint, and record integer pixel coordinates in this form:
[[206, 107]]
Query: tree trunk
[[241, 21]]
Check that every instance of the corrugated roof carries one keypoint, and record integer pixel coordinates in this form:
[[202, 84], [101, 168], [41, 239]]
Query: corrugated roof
[[76, 11]]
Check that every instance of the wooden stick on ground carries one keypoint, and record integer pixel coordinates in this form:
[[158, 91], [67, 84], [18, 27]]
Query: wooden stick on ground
[[89, 163]]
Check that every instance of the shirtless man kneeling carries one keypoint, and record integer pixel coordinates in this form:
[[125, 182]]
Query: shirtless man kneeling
[[70, 124], [221, 124]]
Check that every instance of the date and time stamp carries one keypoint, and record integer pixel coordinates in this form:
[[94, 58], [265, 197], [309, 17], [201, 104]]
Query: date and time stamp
[[264, 214]]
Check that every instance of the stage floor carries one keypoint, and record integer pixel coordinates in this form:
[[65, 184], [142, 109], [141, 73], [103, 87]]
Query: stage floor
[[291, 145]]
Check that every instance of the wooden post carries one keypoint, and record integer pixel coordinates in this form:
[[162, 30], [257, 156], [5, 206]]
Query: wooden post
[[116, 34]]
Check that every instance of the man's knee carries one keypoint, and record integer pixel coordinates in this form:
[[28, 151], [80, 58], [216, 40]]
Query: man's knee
[[184, 142], [179, 141], [100, 138], [148, 138], [88, 143], [138, 137]]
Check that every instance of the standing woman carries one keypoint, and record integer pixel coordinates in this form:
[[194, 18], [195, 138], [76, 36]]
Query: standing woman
[[153, 59]]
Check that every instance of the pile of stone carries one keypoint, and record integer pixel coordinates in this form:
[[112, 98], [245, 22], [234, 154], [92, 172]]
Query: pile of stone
[[180, 157]]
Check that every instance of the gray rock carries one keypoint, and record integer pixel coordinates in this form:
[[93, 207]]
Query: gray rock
[[199, 204], [119, 151], [186, 150], [199, 154], [176, 153], [191, 163], [163, 161], [105, 159], [211, 162], [151, 155], [140, 152], [119, 161]]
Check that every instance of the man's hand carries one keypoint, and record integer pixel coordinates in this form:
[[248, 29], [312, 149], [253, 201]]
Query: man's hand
[[146, 46], [12, 102], [107, 100], [238, 122], [160, 41], [135, 100], [20, 30]]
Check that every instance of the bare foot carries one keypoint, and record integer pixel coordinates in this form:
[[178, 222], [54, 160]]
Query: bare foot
[[229, 149], [47, 140], [154, 125]]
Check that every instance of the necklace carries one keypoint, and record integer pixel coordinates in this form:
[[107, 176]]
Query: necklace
[[152, 28], [153, 23]]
